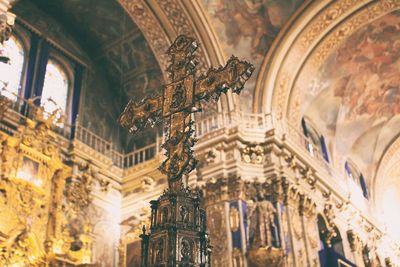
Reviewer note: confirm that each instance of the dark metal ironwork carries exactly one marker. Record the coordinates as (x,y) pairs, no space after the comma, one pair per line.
(178,231)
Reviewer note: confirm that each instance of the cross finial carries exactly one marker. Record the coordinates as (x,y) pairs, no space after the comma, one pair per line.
(178,101)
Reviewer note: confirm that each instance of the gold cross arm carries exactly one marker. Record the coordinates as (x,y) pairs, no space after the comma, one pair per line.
(216,81)
(137,115)
(232,76)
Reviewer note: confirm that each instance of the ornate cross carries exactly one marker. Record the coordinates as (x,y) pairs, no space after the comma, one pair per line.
(179,99)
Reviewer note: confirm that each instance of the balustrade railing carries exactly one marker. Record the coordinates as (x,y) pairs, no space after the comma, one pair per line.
(203,126)
(92,140)
(216,121)
(107,149)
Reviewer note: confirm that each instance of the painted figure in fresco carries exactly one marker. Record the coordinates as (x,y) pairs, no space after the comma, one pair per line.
(367,68)
(259,20)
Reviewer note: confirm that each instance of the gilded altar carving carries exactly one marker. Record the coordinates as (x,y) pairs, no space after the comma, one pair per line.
(35,228)
(8,157)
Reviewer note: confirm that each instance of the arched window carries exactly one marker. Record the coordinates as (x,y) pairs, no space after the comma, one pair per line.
(11,72)
(351,172)
(315,143)
(55,88)
(355,175)
(331,244)
(364,187)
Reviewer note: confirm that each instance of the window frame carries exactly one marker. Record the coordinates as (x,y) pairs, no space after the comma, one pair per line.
(66,66)
(21,37)
(313,140)
(355,175)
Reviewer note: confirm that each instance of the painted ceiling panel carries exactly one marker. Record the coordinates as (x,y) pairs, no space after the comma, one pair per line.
(358,103)
(247,29)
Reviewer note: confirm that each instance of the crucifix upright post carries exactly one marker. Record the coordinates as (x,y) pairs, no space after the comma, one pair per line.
(178,225)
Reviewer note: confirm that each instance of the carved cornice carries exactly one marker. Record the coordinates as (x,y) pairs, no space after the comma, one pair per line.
(222,189)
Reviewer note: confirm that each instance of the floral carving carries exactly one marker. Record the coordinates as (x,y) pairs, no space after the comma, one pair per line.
(78,190)
(253,154)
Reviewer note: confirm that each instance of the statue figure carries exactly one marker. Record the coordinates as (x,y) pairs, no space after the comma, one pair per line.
(264,249)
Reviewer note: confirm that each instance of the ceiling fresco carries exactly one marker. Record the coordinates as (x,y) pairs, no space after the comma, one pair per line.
(357,100)
(247,28)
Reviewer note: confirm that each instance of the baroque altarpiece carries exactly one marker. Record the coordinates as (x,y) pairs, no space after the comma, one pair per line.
(43,198)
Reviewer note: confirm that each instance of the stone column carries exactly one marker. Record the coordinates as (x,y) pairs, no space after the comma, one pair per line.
(307,210)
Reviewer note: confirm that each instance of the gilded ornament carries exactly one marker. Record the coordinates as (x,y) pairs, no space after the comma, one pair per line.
(253,154)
